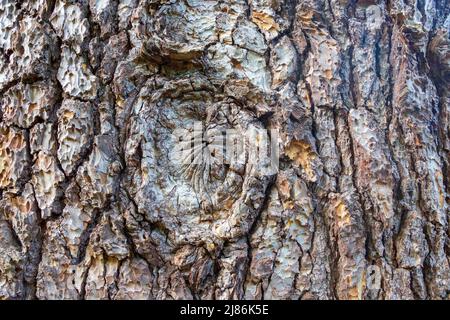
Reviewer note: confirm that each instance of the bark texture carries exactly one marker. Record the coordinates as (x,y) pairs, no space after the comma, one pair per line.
(91,207)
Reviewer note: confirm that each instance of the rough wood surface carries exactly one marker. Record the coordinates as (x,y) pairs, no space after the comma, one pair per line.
(92,207)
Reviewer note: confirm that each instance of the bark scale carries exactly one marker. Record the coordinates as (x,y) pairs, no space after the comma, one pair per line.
(92,207)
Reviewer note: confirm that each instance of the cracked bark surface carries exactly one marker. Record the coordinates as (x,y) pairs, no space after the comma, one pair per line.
(91,207)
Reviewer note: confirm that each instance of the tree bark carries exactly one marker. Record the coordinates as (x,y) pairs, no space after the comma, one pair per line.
(93,207)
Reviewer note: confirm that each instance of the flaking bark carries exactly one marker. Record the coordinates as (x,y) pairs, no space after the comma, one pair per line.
(92,207)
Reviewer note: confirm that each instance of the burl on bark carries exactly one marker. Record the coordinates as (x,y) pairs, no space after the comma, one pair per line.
(93,207)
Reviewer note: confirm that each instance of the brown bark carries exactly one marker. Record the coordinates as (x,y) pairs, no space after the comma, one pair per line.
(93,207)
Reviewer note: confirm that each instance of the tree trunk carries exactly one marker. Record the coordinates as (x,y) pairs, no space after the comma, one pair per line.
(93,205)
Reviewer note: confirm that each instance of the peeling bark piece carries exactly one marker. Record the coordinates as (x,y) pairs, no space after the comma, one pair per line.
(40,8)
(124,12)
(181,31)
(109,235)
(104,13)
(323,59)
(33,53)
(304,155)
(230,279)
(25,104)
(47,179)
(411,243)
(283,61)
(135,281)
(11,285)
(75,132)
(246,35)
(75,76)
(230,61)
(21,211)
(266,22)
(100,282)
(70,21)
(265,246)
(114,52)
(75,221)
(145,240)
(24,220)
(348,231)
(97,176)
(8,19)
(14,157)
(58,278)
(42,138)
(276,262)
